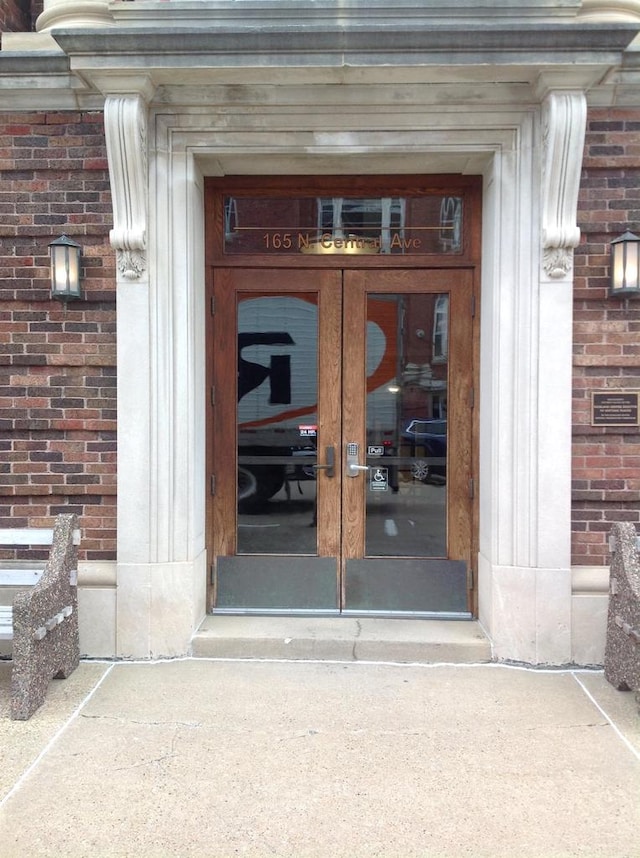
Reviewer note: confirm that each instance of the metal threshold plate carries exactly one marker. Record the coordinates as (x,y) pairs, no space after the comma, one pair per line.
(254,582)
(408,585)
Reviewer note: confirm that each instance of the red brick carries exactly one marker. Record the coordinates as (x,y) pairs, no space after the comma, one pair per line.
(56,173)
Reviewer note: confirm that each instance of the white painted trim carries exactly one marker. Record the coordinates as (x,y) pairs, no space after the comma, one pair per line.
(26,536)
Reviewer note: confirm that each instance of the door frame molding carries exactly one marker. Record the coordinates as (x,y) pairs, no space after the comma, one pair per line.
(524,559)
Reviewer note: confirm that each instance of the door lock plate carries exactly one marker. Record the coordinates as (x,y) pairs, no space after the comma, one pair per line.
(353,467)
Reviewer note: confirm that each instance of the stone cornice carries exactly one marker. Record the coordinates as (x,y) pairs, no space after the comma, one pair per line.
(328,51)
(406,44)
(19,63)
(431,53)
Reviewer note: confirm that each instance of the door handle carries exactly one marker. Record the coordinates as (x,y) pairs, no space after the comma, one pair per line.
(329,466)
(353,468)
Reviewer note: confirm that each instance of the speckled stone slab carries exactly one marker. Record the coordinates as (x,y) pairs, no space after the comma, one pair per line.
(622,651)
(45,625)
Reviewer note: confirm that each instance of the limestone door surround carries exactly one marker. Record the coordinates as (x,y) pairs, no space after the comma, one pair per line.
(530,161)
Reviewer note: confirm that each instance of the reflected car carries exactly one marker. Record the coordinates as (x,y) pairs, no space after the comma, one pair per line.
(428,446)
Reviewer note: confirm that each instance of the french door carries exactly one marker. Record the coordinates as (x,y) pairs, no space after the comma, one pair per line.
(341,438)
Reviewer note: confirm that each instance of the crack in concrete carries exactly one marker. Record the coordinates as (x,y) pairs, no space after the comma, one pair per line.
(355,640)
(190,724)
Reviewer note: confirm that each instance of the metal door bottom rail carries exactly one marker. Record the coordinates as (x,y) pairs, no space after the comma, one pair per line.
(319,613)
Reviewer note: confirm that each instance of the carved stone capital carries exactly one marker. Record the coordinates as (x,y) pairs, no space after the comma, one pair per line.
(125,120)
(564,116)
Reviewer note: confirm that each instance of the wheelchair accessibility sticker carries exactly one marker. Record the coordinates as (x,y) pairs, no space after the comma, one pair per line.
(378,479)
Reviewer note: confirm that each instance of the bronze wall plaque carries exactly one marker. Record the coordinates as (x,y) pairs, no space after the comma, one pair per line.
(615,408)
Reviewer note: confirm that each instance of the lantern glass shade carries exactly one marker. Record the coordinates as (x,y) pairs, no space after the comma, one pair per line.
(65,268)
(625,265)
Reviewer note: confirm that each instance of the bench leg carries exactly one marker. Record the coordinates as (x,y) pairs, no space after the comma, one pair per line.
(68,659)
(30,678)
(45,624)
(36,662)
(28,692)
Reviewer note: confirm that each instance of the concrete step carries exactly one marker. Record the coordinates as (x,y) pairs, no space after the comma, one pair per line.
(342,639)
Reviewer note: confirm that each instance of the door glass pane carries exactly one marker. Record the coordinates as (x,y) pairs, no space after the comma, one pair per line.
(277,423)
(406,423)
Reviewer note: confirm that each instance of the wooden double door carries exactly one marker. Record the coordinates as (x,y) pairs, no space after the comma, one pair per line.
(341,441)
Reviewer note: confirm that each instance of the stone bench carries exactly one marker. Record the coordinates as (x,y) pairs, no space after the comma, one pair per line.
(42,620)
(622,650)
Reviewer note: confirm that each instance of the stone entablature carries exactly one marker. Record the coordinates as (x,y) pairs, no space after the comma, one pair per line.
(150,13)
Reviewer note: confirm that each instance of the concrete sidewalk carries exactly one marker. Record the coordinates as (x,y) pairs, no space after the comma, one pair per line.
(226,758)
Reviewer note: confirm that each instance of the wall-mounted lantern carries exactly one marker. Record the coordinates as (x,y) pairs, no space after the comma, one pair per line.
(625,267)
(65,268)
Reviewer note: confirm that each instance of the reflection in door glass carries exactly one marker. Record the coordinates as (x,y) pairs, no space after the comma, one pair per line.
(277,423)
(406,423)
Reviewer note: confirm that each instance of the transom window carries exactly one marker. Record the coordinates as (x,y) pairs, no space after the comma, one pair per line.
(425,224)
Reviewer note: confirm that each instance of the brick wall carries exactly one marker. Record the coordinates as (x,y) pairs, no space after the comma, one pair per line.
(606,461)
(57,362)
